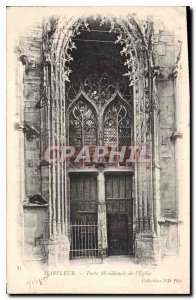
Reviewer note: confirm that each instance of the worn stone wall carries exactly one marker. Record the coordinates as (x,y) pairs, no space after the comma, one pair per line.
(31,52)
(35,218)
(167,159)
(35,226)
(167,50)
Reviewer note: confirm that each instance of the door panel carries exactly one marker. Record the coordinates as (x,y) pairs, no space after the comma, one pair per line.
(118,193)
(117,228)
(122,187)
(83,216)
(83,198)
(119,207)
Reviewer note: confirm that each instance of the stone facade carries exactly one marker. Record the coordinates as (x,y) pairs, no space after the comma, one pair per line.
(162,235)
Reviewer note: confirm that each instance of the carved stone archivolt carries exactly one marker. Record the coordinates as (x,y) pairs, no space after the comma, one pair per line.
(136,40)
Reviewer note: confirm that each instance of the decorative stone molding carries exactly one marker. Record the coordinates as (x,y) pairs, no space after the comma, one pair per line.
(35,200)
(137,49)
(44,163)
(176,135)
(177,66)
(30,131)
(18,126)
(23,58)
(165,220)
(158,72)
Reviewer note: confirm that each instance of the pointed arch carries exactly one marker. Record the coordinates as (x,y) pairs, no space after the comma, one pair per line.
(138,54)
(82,123)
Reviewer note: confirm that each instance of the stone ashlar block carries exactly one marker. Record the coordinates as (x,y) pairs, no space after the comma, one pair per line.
(160,49)
(147,247)
(35,222)
(169,238)
(166,38)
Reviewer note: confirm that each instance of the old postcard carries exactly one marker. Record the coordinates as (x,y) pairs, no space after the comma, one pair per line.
(98,150)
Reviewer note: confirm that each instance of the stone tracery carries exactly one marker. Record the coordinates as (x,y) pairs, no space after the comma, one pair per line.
(137,50)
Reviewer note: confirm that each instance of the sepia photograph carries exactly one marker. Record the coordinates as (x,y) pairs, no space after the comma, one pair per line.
(98,152)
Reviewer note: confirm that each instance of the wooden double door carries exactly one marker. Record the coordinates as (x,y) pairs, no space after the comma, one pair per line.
(84,208)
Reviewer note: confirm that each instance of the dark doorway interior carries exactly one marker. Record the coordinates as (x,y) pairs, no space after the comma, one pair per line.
(117,229)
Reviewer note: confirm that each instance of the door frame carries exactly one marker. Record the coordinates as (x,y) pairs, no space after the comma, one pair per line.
(101,198)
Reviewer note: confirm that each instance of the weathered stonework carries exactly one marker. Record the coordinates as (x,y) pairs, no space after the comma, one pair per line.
(155,112)
(35,229)
(148,249)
